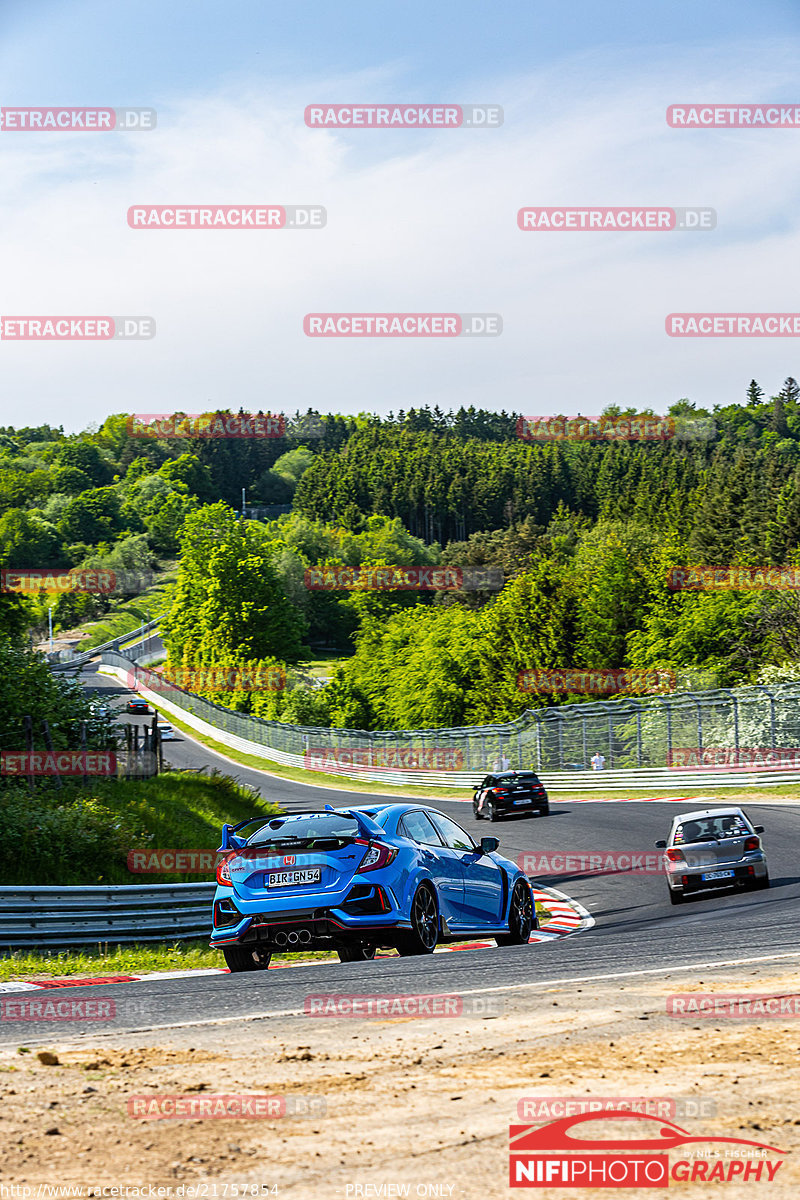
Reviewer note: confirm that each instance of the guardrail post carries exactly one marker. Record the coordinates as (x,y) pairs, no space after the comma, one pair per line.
(48,741)
(28,727)
(83,749)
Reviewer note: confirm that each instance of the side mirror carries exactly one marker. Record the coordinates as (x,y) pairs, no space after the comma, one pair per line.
(759,828)
(661,845)
(488,844)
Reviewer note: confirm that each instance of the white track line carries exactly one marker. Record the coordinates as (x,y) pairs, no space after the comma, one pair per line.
(268,1014)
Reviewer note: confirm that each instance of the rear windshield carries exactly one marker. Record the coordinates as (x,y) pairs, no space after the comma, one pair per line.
(520,777)
(711,829)
(314,827)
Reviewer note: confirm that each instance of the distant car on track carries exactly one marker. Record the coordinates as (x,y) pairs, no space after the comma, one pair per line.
(136,705)
(713,848)
(510,793)
(398,876)
(166,732)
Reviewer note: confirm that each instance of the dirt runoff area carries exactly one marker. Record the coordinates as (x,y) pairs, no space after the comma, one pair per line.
(420,1107)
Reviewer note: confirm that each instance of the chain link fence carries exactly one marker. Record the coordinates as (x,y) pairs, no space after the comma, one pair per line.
(680,730)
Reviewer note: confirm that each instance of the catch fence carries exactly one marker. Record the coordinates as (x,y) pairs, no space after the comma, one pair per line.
(728,729)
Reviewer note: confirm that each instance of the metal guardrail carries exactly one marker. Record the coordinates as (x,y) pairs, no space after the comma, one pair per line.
(80,659)
(49,917)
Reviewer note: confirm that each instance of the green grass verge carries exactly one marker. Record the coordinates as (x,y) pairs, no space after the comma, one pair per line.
(82,835)
(123,960)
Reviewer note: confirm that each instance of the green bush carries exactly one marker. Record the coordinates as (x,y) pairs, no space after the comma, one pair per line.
(82,835)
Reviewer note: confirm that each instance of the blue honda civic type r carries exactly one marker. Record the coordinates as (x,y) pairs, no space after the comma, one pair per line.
(354,880)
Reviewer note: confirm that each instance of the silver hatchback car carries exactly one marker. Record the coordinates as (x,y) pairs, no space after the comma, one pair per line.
(713,848)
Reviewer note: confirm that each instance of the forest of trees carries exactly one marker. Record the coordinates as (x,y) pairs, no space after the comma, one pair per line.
(585,533)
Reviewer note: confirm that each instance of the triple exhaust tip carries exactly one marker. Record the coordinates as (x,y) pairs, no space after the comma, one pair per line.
(300,937)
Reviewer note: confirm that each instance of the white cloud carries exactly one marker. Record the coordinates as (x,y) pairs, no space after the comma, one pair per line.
(415,222)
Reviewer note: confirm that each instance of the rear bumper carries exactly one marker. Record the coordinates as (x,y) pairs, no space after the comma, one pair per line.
(236,921)
(534,803)
(691,881)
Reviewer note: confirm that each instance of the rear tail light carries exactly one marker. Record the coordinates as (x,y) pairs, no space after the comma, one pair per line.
(752,843)
(224,871)
(377,856)
(498,792)
(675,855)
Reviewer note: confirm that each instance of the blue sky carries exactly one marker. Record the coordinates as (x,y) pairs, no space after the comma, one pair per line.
(416,220)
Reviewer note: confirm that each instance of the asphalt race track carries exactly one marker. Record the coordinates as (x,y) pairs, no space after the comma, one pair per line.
(637,931)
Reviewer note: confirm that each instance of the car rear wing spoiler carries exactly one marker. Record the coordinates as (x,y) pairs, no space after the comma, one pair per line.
(367,828)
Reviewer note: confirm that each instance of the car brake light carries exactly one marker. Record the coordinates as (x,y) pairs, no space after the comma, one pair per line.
(224,871)
(498,791)
(675,855)
(377,856)
(752,843)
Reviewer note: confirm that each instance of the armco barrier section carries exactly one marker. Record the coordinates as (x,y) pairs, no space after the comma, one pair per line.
(48,917)
(86,656)
(262,739)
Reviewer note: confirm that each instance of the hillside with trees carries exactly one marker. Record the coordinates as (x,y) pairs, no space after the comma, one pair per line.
(584,533)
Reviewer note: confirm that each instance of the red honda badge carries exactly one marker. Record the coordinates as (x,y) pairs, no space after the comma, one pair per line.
(288,860)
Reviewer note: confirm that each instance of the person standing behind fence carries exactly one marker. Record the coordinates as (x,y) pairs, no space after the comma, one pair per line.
(598,761)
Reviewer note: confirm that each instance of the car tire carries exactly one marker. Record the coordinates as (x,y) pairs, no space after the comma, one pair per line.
(545,812)
(494,814)
(675,897)
(246,958)
(761,883)
(424,932)
(521,911)
(476,812)
(357,952)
